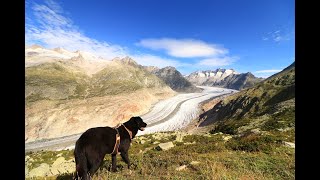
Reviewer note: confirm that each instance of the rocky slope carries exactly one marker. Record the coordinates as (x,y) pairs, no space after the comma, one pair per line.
(173,78)
(227,78)
(69,92)
(268,106)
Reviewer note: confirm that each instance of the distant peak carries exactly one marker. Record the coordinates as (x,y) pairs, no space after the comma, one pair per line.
(126,60)
(151,68)
(36,46)
(249,74)
(170,68)
(60,49)
(78,58)
(116,59)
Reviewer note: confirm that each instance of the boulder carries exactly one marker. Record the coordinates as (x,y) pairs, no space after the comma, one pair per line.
(165,146)
(219,133)
(289,144)
(156,142)
(61,166)
(180,168)
(285,129)
(256,131)
(141,138)
(194,162)
(27,158)
(187,143)
(226,138)
(59,161)
(41,171)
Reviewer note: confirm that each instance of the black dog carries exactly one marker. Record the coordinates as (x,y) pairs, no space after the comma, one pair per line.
(95,143)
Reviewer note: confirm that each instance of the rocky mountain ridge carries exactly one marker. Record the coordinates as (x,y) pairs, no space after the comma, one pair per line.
(227,78)
(173,78)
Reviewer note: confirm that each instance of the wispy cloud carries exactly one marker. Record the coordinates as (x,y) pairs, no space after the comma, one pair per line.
(268,71)
(183,48)
(54,29)
(152,60)
(214,55)
(216,62)
(51,27)
(279,35)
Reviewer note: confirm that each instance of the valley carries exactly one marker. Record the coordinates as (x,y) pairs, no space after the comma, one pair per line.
(213,84)
(167,115)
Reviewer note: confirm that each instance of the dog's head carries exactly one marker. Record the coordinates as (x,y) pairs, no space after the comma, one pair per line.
(139,122)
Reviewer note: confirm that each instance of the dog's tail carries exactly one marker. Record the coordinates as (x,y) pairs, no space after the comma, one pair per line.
(81,164)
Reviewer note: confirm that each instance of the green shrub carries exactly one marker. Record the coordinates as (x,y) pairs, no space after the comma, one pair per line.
(253,143)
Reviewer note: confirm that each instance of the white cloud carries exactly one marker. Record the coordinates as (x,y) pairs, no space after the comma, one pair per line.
(216,62)
(215,55)
(56,30)
(268,71)
(183,48)
(263,76)
(151,60)
(52,28)
(279,35)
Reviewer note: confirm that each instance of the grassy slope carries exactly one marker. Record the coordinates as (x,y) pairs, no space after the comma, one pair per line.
(57,81)
(54,81)
(269,106)
(254,157)
(122,79)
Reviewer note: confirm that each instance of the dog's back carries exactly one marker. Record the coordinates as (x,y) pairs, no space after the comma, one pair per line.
(91,147)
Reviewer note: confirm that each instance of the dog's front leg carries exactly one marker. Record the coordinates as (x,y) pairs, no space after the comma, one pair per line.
(125,158)
(114,162)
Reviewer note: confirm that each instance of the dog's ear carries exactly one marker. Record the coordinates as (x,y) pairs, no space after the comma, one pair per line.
(133,118)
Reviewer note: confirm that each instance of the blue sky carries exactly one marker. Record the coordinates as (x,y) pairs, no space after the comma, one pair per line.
(247,35)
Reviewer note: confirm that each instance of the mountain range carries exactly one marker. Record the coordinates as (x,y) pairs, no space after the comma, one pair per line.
(226,78)
(67,92)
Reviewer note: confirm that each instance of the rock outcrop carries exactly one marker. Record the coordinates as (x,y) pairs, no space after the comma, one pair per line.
(165,146)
